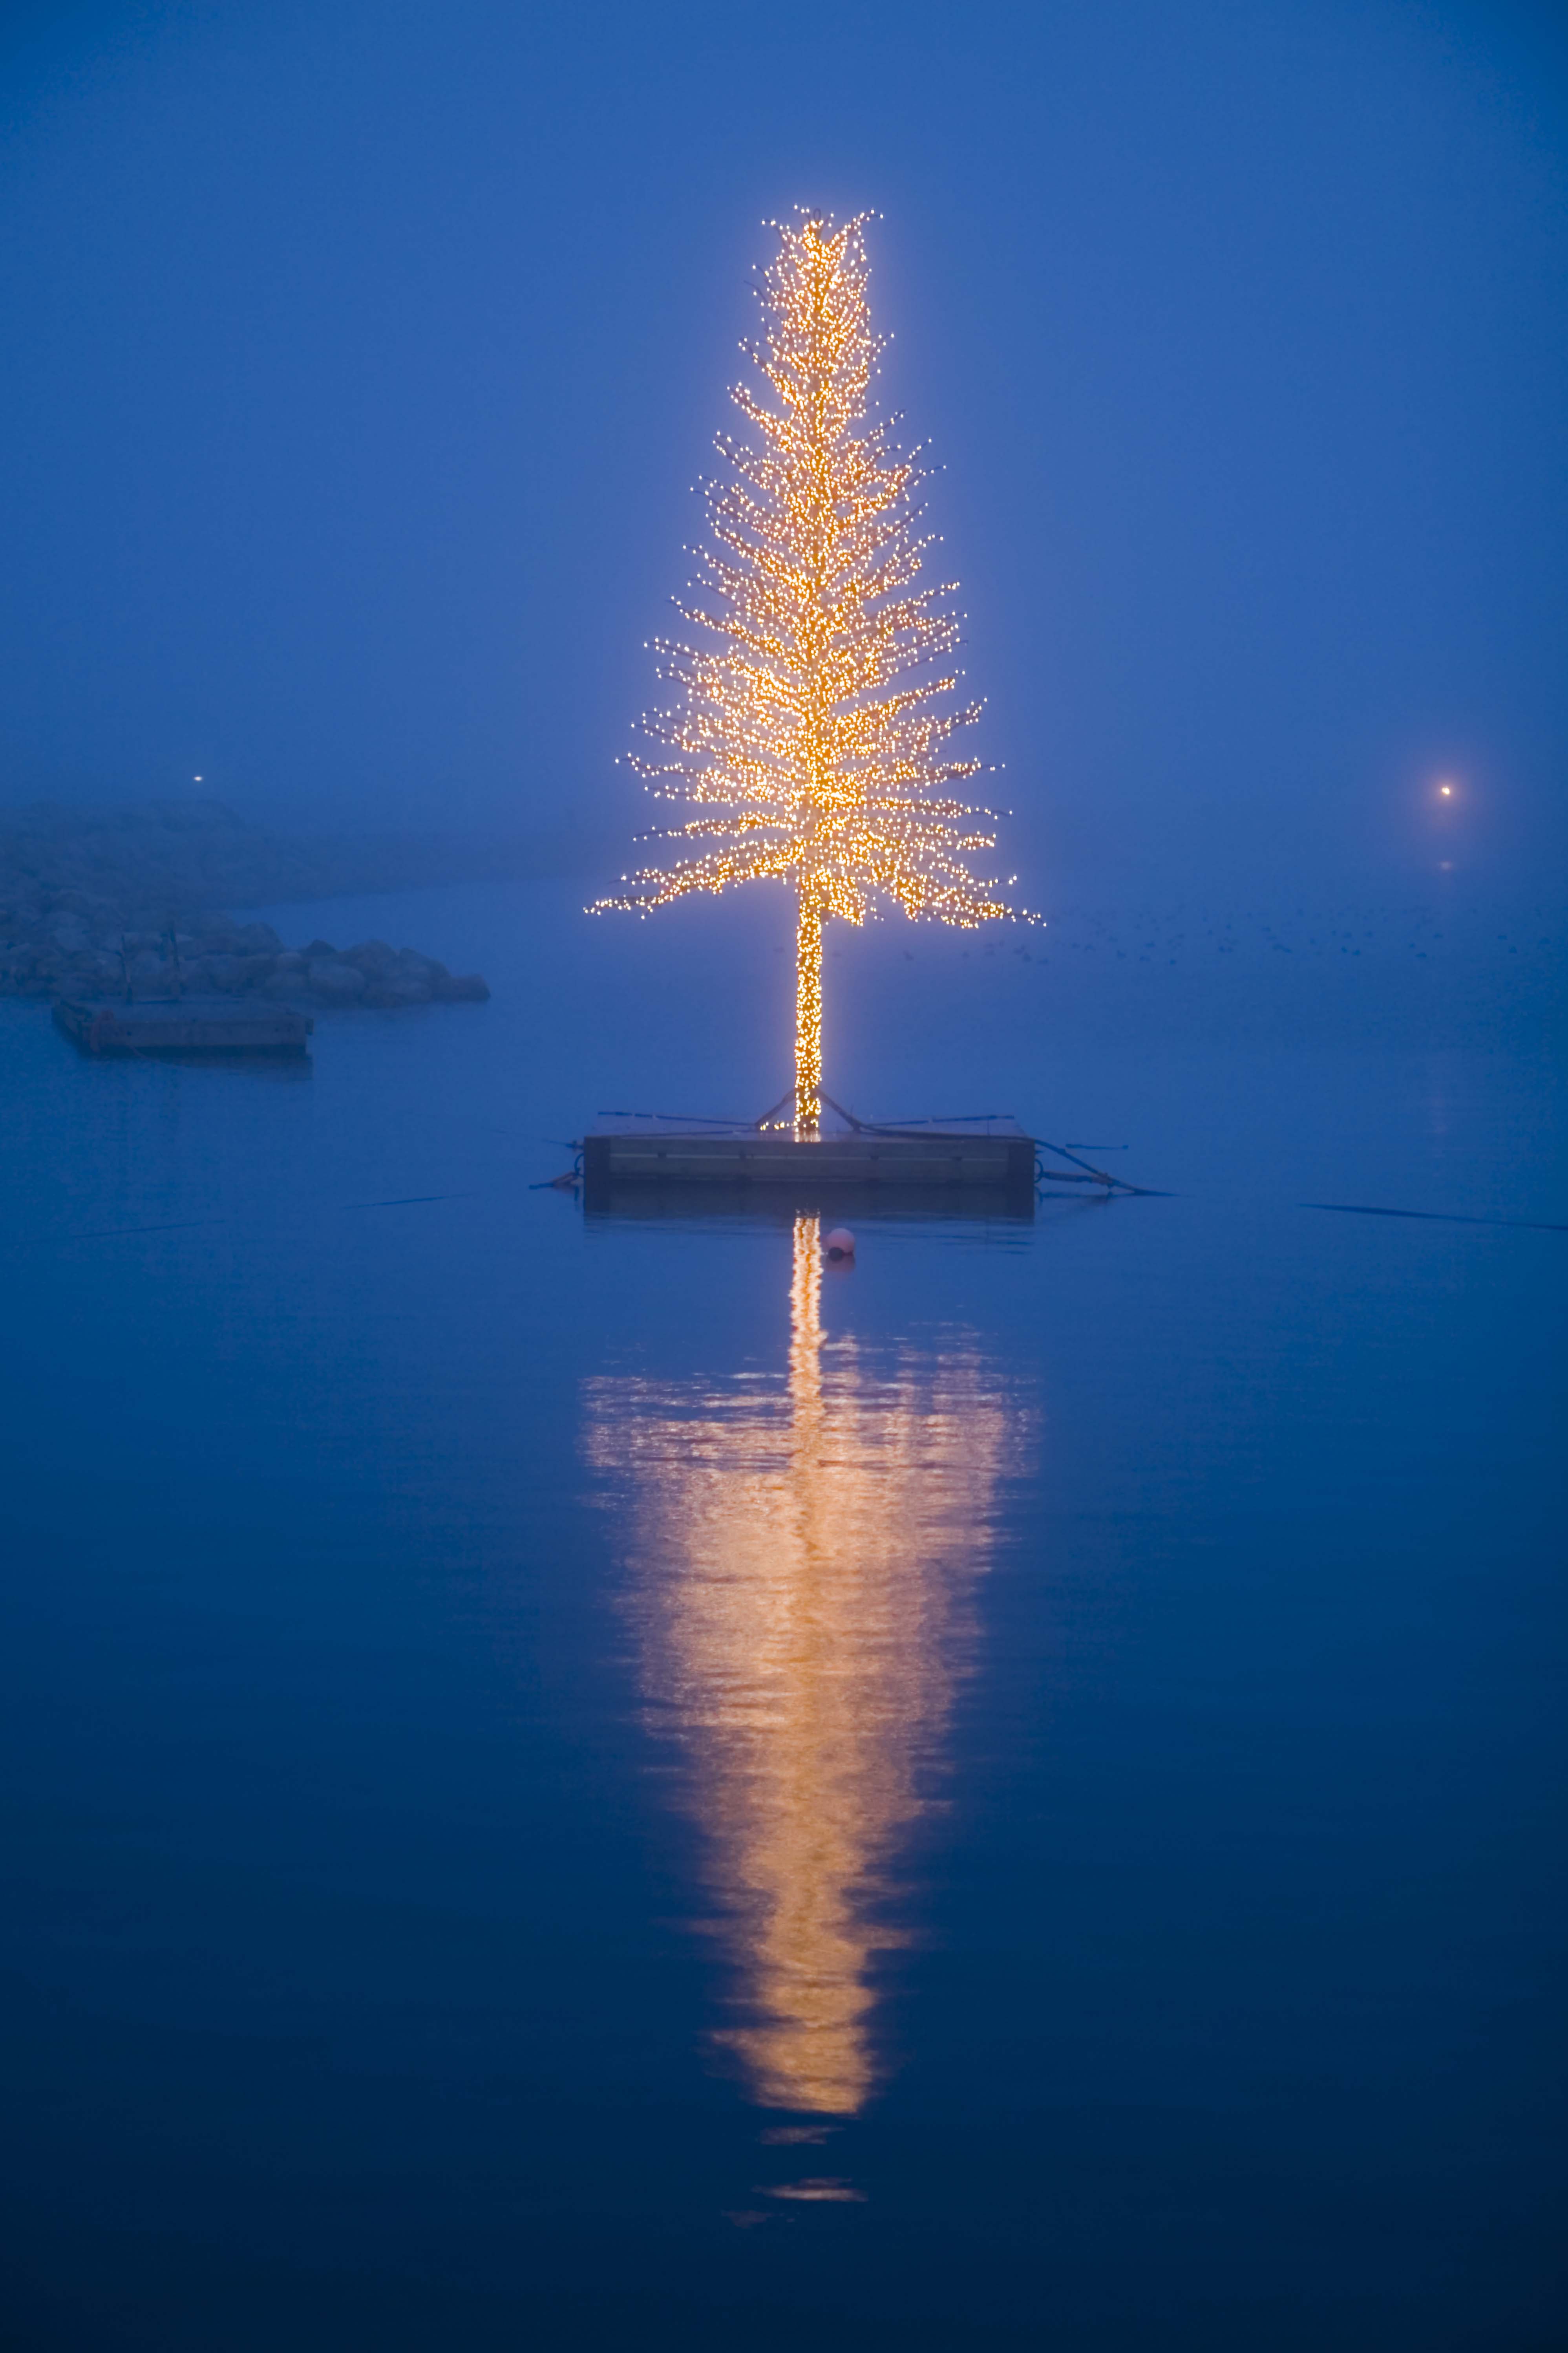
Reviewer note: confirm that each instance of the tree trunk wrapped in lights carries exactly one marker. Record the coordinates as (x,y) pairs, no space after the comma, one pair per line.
(815,738)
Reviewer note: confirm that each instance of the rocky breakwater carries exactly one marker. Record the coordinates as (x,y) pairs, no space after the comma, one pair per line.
(371,974)
(62,958)
(95,905)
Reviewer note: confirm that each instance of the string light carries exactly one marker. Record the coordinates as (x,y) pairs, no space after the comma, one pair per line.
(815,738)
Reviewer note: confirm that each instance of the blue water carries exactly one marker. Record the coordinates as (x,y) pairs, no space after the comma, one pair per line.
(584,1780)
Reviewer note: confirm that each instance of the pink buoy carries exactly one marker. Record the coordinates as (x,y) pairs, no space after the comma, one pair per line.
(840,1243)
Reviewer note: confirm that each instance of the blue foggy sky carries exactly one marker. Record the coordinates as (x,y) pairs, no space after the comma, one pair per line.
(358,360)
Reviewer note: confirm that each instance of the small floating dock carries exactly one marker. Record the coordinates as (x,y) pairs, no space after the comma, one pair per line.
(183,1025)
(991,1155)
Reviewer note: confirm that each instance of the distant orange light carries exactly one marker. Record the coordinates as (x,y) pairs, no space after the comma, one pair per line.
(1446,791)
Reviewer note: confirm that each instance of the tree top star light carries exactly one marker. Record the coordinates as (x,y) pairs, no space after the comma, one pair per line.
(815,737)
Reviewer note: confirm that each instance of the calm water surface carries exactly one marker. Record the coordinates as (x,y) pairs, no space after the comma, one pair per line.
(592,1780)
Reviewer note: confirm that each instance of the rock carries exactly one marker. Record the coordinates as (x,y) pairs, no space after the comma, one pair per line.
(462,988)
(317,949)
(255,939)
(373,957)
(237,972)
(399,989)
(335,982)
(289,986)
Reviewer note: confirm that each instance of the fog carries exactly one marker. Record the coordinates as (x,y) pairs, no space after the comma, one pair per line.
(585,1764)
(360,361)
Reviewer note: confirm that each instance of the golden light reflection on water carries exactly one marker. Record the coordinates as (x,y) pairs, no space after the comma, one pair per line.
(803,1557)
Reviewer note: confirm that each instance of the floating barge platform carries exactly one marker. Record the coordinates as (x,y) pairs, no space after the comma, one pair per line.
(991,1155)
(182,1025)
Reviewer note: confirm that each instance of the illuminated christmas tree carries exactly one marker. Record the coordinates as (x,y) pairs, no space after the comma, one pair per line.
(814,736)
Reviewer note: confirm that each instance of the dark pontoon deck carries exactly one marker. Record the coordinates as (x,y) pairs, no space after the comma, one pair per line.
(183,1025)
(992,1156)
